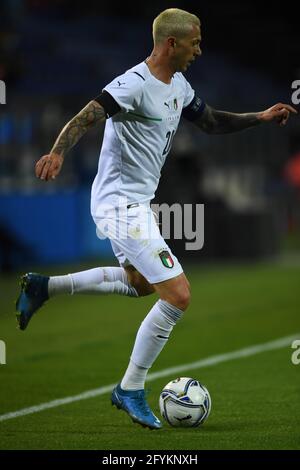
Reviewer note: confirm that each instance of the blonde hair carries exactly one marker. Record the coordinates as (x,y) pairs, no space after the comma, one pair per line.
(173,22)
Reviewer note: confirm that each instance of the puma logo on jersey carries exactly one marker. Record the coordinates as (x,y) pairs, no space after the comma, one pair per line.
(119,83)
(172,105)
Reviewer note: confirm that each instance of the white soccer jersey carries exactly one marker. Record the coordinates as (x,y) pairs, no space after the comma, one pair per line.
(138,139)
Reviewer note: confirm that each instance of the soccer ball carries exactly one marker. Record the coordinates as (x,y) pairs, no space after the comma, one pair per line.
(185,402)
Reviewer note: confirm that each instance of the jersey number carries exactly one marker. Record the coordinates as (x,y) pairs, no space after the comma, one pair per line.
(169,137)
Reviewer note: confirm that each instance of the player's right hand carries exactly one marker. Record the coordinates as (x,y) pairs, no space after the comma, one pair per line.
(49,166)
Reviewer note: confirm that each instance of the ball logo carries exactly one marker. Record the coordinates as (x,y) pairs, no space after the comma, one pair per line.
(2,352)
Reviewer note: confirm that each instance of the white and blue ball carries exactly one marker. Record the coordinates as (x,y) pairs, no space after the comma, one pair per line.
(185,402)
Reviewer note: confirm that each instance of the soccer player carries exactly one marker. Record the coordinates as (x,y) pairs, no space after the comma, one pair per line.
(141,110)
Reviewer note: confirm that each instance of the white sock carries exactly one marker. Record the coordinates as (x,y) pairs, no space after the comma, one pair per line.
(60,285)
(151,337)
(108,280)
(134,378)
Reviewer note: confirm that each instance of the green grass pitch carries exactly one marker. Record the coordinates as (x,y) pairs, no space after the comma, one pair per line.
(79,343)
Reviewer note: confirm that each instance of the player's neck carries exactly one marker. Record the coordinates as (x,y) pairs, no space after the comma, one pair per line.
(159,67)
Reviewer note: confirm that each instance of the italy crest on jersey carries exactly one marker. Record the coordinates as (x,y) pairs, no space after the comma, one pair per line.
(166,259)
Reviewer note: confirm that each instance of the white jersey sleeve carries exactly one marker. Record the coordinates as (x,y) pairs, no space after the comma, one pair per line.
(126,90)
(189,93)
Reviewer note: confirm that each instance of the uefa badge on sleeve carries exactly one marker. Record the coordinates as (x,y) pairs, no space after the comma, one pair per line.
(166,259)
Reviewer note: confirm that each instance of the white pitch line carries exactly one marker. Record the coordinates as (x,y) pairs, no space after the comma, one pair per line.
(209,361)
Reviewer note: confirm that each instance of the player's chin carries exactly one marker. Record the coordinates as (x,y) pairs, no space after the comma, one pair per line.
(184,67)
(188,64)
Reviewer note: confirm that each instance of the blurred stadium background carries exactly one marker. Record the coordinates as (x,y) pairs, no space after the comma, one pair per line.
(55,55)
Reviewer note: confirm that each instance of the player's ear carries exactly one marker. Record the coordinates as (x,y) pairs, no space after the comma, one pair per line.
(171,41)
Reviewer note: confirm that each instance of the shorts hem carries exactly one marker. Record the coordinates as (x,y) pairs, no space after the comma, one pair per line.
(165,277)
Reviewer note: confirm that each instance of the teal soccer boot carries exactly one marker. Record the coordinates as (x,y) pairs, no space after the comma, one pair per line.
(34,293)
(135,404)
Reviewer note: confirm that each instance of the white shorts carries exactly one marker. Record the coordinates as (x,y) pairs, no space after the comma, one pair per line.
(136,240)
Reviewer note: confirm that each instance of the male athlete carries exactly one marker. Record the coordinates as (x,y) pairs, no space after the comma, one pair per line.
(142,109)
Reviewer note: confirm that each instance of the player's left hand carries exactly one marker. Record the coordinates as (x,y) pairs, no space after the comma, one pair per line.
(280,112)
(49,166)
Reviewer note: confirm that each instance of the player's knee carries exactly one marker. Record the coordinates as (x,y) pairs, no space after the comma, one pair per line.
(183,299)
(180,298)
(183,295)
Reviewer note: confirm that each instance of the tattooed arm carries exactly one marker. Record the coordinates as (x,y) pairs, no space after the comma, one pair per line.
(213,121)
(88,117)
(49,166)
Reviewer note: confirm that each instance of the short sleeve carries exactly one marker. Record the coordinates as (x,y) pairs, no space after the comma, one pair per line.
(189,93)
(193,105)
(126,91)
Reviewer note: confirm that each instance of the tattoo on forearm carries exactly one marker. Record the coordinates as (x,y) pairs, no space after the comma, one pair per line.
(77,127)
(213,121)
